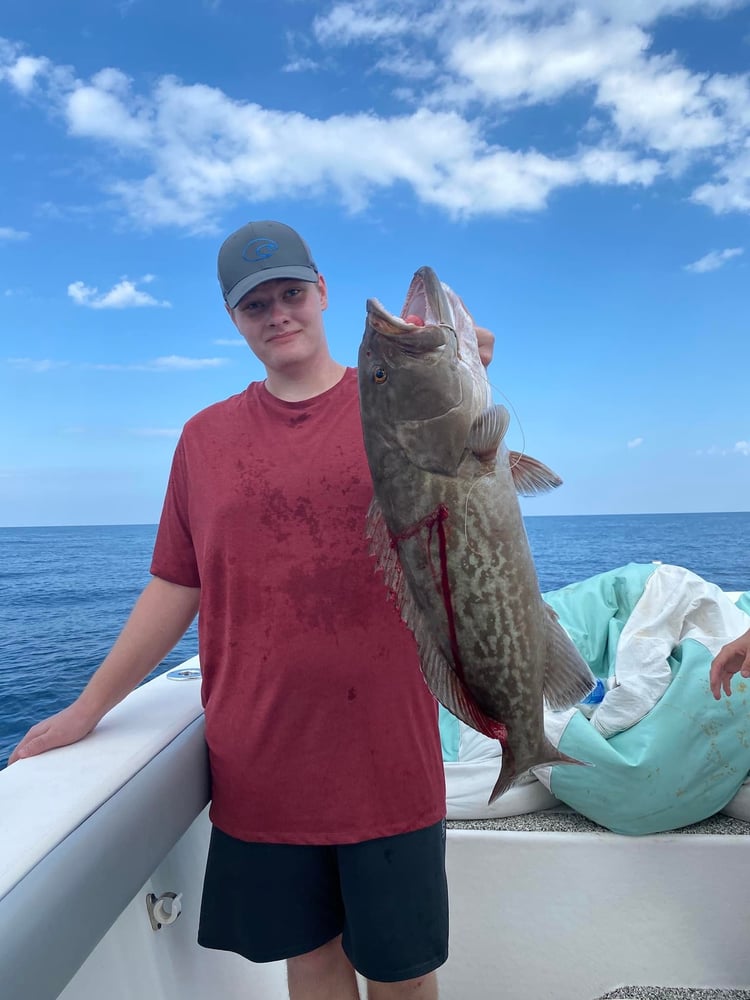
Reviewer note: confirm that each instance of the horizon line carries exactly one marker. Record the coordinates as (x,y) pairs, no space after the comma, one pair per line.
(155,524)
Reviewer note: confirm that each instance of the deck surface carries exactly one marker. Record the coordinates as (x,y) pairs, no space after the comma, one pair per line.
(564,820)
(672,993)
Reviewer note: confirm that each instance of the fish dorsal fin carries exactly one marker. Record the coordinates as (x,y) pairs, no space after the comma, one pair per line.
(567,679)
(441,677)
(487,431)
(531,476)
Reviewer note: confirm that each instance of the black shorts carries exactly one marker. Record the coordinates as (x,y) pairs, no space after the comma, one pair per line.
(387,897)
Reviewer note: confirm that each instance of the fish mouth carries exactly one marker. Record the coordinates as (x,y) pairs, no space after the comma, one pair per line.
(426,305)
(427,301)
(387,323)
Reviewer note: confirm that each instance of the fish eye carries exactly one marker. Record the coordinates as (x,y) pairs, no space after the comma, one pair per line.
(379,376)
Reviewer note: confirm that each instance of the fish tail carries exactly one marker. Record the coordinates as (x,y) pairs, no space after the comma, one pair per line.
(547,755)
(503,783)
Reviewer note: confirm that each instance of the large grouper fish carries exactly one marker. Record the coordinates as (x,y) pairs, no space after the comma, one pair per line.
(446,529)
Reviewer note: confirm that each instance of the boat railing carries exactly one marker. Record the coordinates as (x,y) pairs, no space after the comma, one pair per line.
(114,803)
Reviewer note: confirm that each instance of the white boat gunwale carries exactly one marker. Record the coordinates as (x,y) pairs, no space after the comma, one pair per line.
(55,916)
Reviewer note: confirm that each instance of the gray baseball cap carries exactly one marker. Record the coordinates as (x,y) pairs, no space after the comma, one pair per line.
(261,251)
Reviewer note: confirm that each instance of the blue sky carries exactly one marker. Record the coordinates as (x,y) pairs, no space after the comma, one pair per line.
(578,172)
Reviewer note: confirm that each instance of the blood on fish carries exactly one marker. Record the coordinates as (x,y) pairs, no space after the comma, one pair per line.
(436,519)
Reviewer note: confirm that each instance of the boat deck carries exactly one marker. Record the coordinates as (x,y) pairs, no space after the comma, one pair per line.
(675,993)
(561,819)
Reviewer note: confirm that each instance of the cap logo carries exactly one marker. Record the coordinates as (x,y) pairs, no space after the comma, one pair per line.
(259,249)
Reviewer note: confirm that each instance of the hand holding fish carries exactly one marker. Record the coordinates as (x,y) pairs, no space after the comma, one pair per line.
(486,344)
(732,658)
(485,337)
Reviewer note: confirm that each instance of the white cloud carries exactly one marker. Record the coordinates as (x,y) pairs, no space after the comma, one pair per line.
(398,63)
(10,234)
(635,442)
(353,20)
(356,22)
(527,64)
(124,295)
(740,448)
(730,192)
(301,65)
(466,64)
(175,362)
(713,260)
(36,365)
(107,109)
(264,154)
(22,72)
(172,362)
(146,432)
(159,432)
(529,52)
(27,74)
(664,106)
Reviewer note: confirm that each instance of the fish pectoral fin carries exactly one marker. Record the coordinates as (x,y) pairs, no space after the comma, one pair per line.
(567,678)
(530,476)
(487,432)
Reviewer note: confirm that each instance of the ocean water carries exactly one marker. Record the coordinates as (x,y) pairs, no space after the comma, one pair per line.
(66,592)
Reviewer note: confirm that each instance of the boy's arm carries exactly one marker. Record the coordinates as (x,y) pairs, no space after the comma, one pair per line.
(160,618)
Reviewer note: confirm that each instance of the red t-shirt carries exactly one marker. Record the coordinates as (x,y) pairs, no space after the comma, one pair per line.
(320,727)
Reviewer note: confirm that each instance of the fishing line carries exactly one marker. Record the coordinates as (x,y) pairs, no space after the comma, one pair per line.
(491,472)
(514,411)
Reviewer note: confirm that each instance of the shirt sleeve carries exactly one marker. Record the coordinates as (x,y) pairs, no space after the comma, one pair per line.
(174,556)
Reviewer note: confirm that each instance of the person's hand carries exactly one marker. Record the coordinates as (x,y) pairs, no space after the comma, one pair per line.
(486,344)
(67,726)
(730,659)
(485,339)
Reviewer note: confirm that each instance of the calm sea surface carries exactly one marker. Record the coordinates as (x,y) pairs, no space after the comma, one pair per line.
(65,592)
